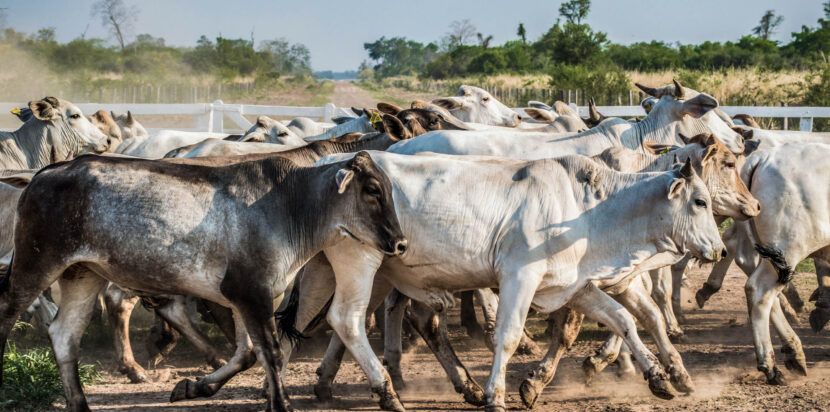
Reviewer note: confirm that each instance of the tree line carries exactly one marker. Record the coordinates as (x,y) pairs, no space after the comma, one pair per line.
(578,56)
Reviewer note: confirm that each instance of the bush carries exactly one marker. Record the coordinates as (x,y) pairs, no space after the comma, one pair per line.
(593,80)
(31,379)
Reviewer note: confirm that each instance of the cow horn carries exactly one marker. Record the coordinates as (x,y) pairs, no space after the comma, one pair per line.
(678,90)
(593,114)
(648,90)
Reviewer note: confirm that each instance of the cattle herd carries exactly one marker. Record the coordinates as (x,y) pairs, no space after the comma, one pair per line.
(409,209)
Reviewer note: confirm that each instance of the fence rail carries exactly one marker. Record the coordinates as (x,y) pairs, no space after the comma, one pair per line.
(211,116)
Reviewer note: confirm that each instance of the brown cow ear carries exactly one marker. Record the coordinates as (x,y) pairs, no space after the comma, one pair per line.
(703,139)
(395,128)
(389,108)
(418,104)
(657,148)
(747,134)
(45,109)
(261,121)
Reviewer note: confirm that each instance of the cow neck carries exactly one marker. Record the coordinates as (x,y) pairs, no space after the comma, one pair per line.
(358,124)
(667,161)
(32,145)
(623,214)
(309,207)
(381,142)
(662,127)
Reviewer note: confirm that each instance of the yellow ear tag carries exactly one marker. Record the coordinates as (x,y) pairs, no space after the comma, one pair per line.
(664,151)
(15,111)
(375,119)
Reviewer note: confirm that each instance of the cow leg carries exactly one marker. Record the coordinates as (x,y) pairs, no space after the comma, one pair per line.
(328,368)
(604,356)
(468,316)
(714,281)
(565,325)
(242,359)
(677,271)
(637,300)
(354,268)
(395,306)
(175,312)
(119,309)
(489,306)
(662,292)
(161,341)
(599,306)
(79,294)
(624,364)
(821,314)
(516,294)
(795,301)
(222,316)
(761,290)
(433,328)
(791,344)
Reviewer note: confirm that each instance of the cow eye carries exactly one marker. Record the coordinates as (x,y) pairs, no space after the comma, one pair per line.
(730,165)
(373,190)
(485,100)
(433,122)
(281,134)
(700,203)
(75,116)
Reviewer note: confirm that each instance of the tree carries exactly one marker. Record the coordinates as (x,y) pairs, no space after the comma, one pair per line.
(484,42)
(117,17)
(46,35)
(769,21)
(522,33)
(462,33)
(575,11)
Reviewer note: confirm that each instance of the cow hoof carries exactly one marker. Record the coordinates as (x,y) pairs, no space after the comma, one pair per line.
(677,336)
(398,383)
(819,318)
(659,384)
(389,400)
(590,368)
(494,408)
(474,395)
(155,360)
(136,375)
(528,393)
(703,294)
(217,363)
(776,377)
(681,381)
(794,362)
(323,393)
(527,347)
(183,390)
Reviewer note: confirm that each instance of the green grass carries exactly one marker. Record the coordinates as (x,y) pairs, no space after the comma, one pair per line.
(321,92)
(378,92)
(31,380)
(806,265)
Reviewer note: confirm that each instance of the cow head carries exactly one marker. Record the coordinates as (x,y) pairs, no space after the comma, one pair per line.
(693,225)
(420,121)
(366,204)
(718,168)
(130,127)
(268,130)
(561,116)
(105,123)
(73,133)
(473,104)
(689,112)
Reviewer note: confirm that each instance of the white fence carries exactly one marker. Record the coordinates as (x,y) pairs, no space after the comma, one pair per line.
(211,116)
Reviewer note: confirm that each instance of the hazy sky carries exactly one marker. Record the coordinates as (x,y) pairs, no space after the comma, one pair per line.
(335,31)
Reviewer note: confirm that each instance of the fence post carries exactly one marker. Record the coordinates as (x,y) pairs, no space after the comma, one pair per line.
(786,120)
(805,124)
(217,117)
(328,112)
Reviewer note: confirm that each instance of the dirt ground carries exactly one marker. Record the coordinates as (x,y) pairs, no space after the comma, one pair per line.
(718,354)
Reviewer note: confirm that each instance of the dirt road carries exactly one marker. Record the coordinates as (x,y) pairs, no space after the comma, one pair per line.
(718,354)
(347,94)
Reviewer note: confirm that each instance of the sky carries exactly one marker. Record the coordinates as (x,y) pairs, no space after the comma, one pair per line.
(334,31)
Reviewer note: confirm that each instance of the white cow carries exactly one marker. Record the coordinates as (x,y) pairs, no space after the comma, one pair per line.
(156,145)
(670,117)
(57,130)
(476,105)
(219,147)
(536,230)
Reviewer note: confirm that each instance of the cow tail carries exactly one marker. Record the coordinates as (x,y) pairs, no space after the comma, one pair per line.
(776,257)
(287,318)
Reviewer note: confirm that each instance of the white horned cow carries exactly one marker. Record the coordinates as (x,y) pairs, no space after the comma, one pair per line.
(57,130)
(476,105)
(678,111)
(536,231)
(172,236)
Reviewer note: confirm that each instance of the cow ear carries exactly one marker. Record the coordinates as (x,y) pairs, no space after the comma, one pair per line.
(539,114)
(45,109)
(418,104)
(698,105)
(751,146)
(20,180)
(341,119)
(261,121)
(449,103)
(676,187)
(657,148)
(253,137)
(747,134)
(389,108)
(395,128)
(358,112)
(703,139)
(343,177)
